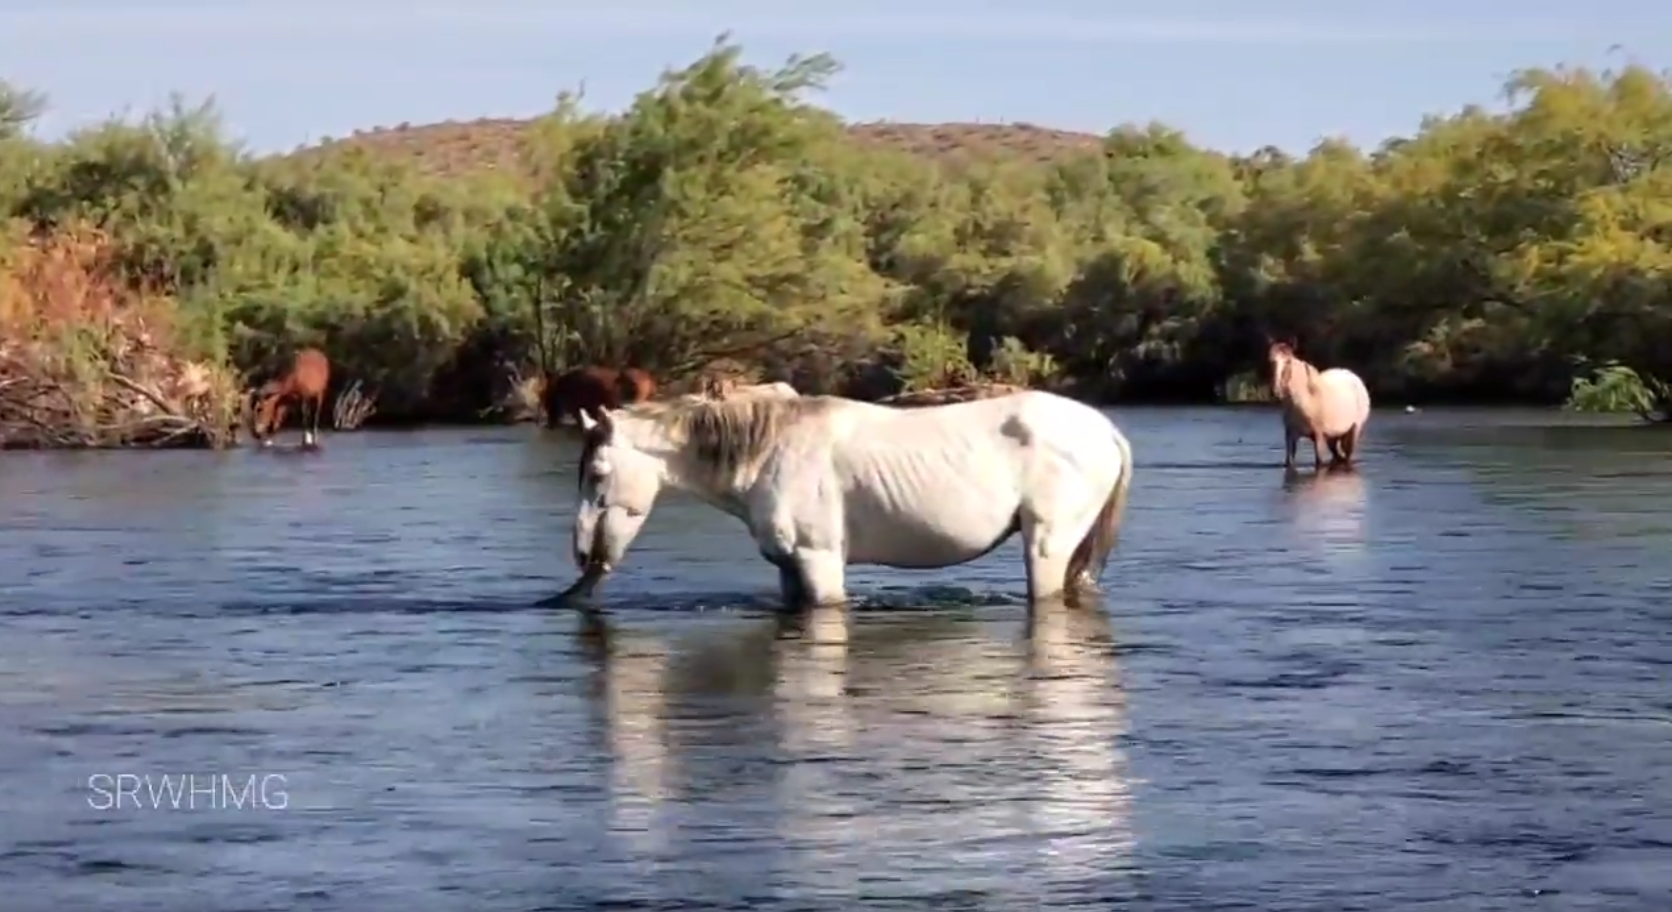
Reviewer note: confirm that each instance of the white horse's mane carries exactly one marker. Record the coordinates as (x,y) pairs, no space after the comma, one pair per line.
(726,441)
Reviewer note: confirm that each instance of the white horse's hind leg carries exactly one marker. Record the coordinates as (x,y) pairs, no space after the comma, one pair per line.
(1053,526)
(823,576)
(1046,552)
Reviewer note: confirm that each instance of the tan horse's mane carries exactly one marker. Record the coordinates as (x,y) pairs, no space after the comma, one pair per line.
(1298,370)
(724,440)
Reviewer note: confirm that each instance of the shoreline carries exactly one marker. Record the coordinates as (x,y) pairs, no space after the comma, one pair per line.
(1578,418)
(1562,417)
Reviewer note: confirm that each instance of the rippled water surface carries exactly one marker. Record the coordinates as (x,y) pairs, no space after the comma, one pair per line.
(1444,682)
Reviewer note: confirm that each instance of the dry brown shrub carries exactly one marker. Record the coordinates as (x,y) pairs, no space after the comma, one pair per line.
(522,400)
(86,361)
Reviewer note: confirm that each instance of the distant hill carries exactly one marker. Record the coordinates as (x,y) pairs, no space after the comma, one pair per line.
(452,148)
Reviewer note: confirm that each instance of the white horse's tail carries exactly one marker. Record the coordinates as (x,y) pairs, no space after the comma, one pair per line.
(1093,551)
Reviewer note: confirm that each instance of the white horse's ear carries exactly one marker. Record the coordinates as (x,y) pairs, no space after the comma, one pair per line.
(587,423)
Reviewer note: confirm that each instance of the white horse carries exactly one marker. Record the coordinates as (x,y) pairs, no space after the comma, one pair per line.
(1331,407)
(823,482)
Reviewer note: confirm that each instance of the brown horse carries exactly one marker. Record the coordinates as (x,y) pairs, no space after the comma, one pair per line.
(1329,407)
(310,375)
(592,389)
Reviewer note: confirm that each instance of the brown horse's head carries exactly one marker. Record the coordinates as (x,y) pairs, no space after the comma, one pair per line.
(581,389)
(264,410)
(633,386)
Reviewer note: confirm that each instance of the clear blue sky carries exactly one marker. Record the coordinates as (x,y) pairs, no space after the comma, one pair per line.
(1234,75)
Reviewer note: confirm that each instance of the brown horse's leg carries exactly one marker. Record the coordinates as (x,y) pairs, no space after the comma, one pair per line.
(313,406)
(277,426)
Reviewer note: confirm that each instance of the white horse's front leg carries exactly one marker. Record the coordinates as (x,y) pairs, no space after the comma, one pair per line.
(790,586)
(823,577)
(778,547)
(798,526)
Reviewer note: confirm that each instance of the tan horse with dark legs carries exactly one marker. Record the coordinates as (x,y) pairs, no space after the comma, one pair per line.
(309,377)
(1328,407)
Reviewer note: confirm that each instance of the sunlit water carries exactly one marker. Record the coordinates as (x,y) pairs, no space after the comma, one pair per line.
(1442,683)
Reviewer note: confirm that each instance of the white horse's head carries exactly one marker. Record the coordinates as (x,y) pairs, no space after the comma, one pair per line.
(714,449)
(618,486)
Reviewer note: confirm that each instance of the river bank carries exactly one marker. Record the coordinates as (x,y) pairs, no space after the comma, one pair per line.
(358,408)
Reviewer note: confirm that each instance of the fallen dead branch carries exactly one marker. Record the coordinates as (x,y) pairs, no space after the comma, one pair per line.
(352,408)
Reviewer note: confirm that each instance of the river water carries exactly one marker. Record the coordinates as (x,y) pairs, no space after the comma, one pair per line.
(276,680)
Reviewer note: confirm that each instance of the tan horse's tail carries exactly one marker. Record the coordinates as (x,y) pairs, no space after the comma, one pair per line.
(1093,550)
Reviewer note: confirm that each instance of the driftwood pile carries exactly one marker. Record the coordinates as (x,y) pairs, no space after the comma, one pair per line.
(126,395)
(84,364)
(922,398)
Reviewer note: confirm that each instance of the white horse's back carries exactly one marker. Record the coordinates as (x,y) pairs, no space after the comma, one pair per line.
(943,485)
(1343,402)
(777,389)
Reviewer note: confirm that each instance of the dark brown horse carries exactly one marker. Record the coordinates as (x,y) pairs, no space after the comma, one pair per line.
(306,383)
(592,389)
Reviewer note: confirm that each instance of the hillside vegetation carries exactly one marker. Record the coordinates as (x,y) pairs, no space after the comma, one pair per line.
(456,149)
(1491,256)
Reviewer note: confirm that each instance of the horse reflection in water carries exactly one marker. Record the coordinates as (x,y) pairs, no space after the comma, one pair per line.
(818,733)
(914,754)
(631,677)
(1078,709)
(1329,510)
